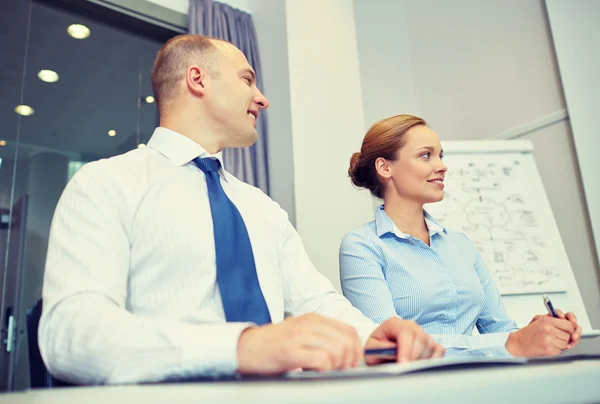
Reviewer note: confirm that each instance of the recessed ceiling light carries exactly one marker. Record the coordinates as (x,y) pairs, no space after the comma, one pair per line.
(141,145)
(49,76)
(112,133)
(78,31)
(24,110)
(2,142)
(149,99)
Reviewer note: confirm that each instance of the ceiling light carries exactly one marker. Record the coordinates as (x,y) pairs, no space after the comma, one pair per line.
(141,145)
(112,133)
(49,76)
(78,31)
(2,142)
(24,110)
(149,99)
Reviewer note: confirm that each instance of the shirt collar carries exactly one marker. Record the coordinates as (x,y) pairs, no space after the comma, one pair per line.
(179,149)
(433,226)
(384,225)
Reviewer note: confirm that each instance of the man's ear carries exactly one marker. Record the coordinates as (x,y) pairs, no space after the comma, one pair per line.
(382,167)
(195,78)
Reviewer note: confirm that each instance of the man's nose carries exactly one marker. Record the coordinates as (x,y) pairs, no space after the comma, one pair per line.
(261,100)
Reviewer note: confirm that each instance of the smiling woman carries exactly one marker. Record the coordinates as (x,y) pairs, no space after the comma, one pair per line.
(406,264)
(56,110)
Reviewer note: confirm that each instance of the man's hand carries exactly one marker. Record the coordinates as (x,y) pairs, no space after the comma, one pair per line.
(310,342)
(410,339)
(545,336)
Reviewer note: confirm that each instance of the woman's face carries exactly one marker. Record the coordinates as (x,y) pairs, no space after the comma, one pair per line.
(418,173)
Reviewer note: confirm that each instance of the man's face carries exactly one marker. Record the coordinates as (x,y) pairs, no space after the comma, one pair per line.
(232,99)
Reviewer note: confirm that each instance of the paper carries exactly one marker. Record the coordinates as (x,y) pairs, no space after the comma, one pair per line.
(393,369)
(590,334)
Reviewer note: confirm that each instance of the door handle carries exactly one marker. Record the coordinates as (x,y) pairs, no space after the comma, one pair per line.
(10,330)
(10,336)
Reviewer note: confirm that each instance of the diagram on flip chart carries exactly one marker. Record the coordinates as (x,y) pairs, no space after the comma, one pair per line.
(492,200)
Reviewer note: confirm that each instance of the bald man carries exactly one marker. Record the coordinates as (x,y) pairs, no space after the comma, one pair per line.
(163,265)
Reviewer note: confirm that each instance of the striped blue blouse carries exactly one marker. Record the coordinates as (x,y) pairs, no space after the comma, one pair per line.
(446,287)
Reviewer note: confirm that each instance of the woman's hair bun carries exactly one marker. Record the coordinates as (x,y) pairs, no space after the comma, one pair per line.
(353,169)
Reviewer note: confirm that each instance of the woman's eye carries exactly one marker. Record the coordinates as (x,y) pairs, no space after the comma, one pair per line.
(426,155)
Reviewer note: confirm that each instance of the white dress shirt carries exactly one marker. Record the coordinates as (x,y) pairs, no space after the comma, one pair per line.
(130,290)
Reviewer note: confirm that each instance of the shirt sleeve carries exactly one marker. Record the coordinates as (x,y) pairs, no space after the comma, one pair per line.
(362,278)
(306,290)
(482,345)
(86,334)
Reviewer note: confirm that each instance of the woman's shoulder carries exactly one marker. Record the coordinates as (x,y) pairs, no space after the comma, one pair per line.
(364,234)
(362,243)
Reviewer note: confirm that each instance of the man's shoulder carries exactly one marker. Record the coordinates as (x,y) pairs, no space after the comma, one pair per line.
(122,166)
(118,176)
(250,190)
(258,199)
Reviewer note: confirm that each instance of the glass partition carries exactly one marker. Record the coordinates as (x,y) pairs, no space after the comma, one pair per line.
(75,88)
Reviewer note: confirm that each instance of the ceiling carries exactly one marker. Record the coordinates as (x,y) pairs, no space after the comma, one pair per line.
(101,78)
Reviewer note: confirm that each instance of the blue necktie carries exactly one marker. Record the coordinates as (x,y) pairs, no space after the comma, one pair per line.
(236,272)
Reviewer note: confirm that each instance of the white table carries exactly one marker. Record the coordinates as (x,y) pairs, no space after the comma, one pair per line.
(558,382)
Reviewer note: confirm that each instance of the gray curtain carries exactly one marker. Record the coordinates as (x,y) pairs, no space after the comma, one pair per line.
(207,17)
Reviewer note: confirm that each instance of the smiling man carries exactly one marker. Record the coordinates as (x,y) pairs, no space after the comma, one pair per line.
(163,265)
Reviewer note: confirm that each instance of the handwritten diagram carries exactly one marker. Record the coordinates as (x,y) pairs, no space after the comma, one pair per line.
(488,200)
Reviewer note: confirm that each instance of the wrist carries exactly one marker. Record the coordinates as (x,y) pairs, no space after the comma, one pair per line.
(242,348)
(513,344)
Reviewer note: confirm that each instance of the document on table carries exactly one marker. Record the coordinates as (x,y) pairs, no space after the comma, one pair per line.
(394,369)
(590,334)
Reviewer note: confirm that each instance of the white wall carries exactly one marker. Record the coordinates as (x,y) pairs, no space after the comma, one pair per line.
(181,6)
(472,68)
(386,69)
(575,28)
(327,122)
(475,69)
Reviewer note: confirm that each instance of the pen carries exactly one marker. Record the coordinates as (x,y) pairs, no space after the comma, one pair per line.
(381,351)
(549,306)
